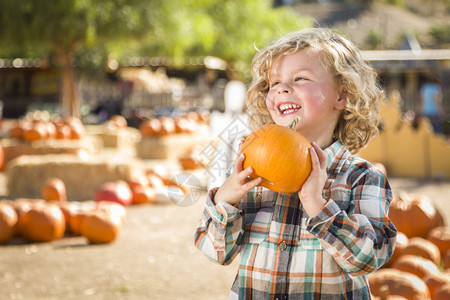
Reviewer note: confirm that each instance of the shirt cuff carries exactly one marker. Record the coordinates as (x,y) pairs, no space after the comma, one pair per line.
(319,224)
(221,212)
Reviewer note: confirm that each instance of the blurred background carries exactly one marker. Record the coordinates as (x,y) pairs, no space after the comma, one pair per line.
(138,58)
(140,103)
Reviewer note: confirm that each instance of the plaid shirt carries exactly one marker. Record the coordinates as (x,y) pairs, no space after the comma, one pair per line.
(286,254)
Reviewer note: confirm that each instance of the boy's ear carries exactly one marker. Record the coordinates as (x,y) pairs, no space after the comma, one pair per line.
(340,102)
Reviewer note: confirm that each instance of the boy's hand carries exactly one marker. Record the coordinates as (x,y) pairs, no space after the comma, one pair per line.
(238,184)
(311,192)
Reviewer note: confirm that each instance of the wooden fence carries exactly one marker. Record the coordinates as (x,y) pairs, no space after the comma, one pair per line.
(406,151)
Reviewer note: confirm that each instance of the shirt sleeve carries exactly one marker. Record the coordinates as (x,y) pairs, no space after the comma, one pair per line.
(361,238)
(219,230)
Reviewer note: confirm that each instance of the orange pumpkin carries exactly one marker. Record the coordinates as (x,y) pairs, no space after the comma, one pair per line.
(118,121)
(167,126)
(398,283)
(435,281)
(280,156)
(150,127)
(443,293)
(414,216)
(38,131)
(416,265)
(447,260)
(440,236)
(42,223)
(402,242)
(143,194)
(54,189)
(188,161)
(101,227)
(2,158)
(77,214)
(63,132)
(8,221)
(115,191)
(424,248)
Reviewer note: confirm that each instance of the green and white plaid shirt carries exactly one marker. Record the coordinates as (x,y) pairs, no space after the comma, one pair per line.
(286,254)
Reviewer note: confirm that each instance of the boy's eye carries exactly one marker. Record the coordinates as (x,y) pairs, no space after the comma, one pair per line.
(299,78)
(274,83)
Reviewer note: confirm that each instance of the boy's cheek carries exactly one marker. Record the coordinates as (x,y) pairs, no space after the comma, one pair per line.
(269,101)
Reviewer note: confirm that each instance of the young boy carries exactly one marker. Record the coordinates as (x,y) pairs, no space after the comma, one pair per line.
(321,242)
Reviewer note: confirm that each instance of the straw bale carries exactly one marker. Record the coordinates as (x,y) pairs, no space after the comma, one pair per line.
(115,137)
(14,148)
(27,174)
(173,146)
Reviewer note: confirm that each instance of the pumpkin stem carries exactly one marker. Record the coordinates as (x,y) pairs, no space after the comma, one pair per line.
(294,123)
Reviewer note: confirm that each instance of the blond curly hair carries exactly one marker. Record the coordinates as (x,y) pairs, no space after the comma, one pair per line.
(359,120)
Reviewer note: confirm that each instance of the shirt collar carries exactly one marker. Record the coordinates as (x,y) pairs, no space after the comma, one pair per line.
(337,154)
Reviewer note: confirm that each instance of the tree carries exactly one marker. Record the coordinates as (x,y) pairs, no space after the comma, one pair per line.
(227,29)
(65,26)
(175,29)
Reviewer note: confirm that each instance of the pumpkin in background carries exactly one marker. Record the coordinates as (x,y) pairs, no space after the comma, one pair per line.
(115,191)
(189,161)
(414,216)
(8,221)
(150,127)
(280,156)
(143,194)
(111,208)
(63,132)
(38,131)
(402,242)
(101,227)
(2,158)
(54,189)
(440,236)
(447,260)
(118,121)
(424,248)
(167,126)
(435,281)
(416,265)
(443,293)
(398,283)
(42,223)
(19,128)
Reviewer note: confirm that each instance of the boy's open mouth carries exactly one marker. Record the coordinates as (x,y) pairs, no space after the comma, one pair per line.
(288,108)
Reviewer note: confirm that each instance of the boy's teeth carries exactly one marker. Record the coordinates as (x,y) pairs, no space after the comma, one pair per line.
(288,108)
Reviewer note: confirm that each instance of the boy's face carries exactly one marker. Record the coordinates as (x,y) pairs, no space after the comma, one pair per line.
(301,86)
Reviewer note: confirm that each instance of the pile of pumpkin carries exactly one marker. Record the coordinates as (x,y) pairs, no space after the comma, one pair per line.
(420,265)
(100,221)
(166,125)
(37,128)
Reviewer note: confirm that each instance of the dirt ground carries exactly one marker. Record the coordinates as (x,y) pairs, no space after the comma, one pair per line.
(153,258)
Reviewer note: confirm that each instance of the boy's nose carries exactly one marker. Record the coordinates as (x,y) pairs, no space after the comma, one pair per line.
(284,88)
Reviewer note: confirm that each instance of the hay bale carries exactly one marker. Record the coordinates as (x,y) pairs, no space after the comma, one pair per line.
(173,146)
(27,174)
(14,147)
(120,138)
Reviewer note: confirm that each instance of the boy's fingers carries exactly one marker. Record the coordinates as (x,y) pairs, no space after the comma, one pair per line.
(238,163)
(243,176)
(252,183)
(322,158)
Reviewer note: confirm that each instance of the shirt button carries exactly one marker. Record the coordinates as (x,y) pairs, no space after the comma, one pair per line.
(282,246)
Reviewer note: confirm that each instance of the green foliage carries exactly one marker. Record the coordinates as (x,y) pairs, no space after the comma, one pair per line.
(373,40)
(67,25)
(175,29)
(440,33)
(227,29)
